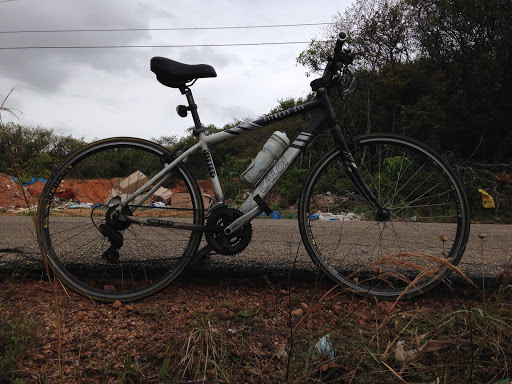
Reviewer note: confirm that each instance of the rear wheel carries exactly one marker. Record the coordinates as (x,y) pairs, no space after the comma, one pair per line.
(401,251)
(99,255)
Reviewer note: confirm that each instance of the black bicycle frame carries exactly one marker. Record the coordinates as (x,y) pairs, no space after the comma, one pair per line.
(254,204)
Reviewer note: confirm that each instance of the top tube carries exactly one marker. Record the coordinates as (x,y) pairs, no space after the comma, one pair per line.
(263,122)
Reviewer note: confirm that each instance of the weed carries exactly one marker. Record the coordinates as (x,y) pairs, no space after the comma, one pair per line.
(132,369)
(247,313)
(18,339)
(165,369)
(202,353)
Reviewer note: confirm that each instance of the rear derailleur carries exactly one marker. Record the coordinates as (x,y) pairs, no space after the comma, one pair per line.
(111,229)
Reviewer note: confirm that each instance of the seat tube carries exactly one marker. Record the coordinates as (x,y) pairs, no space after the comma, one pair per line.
(210,166)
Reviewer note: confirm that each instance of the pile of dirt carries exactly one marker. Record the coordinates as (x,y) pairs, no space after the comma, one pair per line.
(12,200)
(11,194)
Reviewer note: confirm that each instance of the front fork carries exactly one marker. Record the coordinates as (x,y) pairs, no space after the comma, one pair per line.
(357,179)
(348,161)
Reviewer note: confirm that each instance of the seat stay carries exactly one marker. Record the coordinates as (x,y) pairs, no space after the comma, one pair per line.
(157,179)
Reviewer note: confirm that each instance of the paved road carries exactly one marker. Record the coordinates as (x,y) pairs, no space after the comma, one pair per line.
(276,243)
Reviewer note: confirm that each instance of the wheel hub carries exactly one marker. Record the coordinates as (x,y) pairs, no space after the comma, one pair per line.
(113,221)
(382,215)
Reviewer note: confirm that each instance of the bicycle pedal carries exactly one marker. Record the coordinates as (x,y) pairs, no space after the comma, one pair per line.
(262,204)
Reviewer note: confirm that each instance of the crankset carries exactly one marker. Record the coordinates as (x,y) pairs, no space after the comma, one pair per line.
(221,243)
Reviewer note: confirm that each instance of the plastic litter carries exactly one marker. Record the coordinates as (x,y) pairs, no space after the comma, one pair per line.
(340,217)
(323,348)
(81,205)
(34,179)
(401,354)
(487,200)
(276,215)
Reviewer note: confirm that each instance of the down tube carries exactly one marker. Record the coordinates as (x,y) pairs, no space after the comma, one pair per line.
(272,177)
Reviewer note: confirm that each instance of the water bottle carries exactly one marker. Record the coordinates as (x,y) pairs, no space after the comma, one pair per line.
(273,148)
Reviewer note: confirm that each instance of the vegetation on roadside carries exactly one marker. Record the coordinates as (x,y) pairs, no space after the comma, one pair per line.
(19,340)
(262,331)
(37,151)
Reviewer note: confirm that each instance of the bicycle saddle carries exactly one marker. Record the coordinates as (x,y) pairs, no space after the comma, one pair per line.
(175,75)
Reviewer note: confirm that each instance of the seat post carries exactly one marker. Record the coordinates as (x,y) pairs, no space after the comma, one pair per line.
(192,107)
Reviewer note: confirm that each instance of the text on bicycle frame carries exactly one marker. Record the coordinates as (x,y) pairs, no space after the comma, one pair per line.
(273,174)
(282,114)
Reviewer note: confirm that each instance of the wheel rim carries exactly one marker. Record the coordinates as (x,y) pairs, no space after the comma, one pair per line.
(149,257)
(402,250)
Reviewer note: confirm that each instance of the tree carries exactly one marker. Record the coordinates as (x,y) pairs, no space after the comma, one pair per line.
(470,42)
(437,70)
(37,150)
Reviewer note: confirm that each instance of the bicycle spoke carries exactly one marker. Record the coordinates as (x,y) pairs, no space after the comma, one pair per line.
(393,252)
(104,257)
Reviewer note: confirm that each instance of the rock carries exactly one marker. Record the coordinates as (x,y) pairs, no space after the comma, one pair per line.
(109,288)
(386,306)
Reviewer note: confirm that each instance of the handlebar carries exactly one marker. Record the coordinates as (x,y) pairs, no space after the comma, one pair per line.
(340,56)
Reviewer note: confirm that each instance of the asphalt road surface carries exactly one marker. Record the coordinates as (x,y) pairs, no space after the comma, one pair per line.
(276,244)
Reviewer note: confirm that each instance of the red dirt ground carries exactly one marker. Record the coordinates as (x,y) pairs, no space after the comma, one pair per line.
(11,196)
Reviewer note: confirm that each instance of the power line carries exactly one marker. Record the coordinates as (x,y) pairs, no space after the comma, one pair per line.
(157,46)
(167,29)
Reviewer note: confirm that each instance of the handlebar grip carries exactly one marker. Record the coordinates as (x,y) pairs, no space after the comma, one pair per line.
(342,37)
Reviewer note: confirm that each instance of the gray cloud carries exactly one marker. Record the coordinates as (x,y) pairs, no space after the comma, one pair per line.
(48,69)
(105,92)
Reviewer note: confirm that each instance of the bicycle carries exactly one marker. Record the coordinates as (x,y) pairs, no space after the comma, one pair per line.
(411,213)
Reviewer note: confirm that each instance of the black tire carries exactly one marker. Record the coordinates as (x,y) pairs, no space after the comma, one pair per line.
(387,256)
(69,221)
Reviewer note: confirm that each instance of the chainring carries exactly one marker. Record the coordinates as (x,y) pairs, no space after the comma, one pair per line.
(224,244)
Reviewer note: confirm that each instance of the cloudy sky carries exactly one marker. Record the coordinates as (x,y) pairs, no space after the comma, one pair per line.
(103,92)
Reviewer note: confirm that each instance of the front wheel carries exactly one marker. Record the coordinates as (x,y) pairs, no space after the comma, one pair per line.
(402,250)
(108,259)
